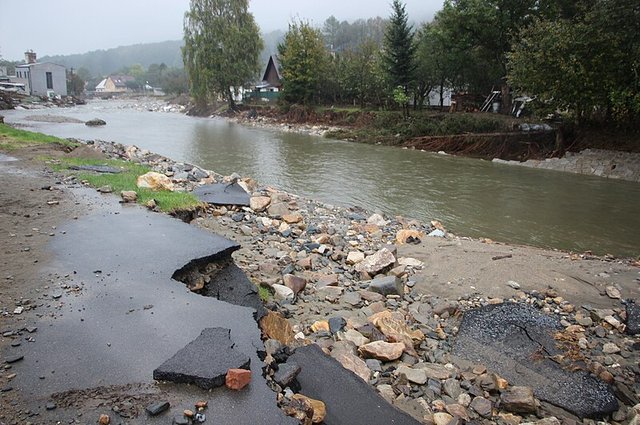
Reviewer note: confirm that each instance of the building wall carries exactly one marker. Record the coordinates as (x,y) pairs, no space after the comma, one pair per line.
(22,77)
(39,79)
(434,97)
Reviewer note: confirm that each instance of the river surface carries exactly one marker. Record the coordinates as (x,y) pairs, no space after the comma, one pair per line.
(470,197)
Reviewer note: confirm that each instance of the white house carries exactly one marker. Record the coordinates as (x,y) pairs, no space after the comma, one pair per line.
(41,79)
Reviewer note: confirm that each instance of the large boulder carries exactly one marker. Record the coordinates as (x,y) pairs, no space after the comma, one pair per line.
(154,181)
(95,122)
(376,263)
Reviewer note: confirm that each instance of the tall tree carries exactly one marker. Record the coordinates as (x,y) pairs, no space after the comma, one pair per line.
(587,65)
(304,60)
(399,50)
(221,50)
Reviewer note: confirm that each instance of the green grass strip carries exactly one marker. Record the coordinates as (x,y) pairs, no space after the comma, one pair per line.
(13,138)
(166,200)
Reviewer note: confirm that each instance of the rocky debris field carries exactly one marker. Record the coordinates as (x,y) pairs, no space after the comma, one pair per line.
(337,278)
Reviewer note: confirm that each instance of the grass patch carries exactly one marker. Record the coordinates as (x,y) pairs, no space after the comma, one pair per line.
(264,293)
(166,200)
(389,127)
(13,138)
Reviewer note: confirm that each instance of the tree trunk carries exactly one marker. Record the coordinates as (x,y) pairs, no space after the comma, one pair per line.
(506,99)
(560,141)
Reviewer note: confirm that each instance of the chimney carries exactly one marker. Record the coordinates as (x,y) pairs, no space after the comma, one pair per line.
(30,56)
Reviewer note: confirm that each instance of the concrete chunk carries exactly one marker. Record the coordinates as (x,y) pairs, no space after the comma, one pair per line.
(323,378)
(204,361)
(222,194)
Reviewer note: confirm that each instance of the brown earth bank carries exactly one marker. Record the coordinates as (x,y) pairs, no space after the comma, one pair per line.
(502,137)
(442,277)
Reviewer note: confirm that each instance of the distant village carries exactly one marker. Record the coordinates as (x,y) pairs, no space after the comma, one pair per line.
(51,80)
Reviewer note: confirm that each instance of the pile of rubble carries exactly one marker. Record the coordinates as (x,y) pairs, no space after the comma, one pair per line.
(337,282)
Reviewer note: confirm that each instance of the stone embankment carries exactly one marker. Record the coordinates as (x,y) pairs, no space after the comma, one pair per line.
(275,125)
(594,162)
(337,280)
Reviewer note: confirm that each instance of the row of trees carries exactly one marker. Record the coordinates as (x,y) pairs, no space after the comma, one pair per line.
(580,57)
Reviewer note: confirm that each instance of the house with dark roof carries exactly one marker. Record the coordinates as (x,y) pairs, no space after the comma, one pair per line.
(271,85)
(115,84)
(41,79)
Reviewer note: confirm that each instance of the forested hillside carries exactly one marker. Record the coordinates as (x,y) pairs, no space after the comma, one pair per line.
(104,62)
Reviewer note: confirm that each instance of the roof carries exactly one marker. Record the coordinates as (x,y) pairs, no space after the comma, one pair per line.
(102,84)
(121,80)
(29,65)
(270,72)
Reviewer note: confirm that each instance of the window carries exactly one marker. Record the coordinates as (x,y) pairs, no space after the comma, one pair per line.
(49,80)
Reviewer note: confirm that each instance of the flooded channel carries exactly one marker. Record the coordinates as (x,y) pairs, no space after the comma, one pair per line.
(470,197)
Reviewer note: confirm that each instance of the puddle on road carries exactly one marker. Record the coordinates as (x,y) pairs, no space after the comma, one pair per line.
(7,158)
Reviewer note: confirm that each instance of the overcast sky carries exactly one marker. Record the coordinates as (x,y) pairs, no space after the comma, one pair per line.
(51,27)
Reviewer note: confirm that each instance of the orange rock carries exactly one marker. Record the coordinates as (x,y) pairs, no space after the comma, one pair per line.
(202,404)
(237,379)
(277,327)
(320,325)
(319,408)
(404,234)
(104,420)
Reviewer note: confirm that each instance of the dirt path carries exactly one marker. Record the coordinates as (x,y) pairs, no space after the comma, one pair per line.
(32,206)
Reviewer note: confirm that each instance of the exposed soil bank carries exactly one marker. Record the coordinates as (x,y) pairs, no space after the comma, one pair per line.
(588,151)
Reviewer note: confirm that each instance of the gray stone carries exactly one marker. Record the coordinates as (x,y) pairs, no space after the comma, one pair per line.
(14,358)
(518,400)
(352,298)
(505,337)
(437,233)
(157,408)
(435,371)
(204,361)
(452,388)
(283,292)
(387,285)
(285,374)
(417,376)
(278,209)
(222,194)
(323,378)
(336,324)
(482,406)
(356,337)
(95,122)
(374,364)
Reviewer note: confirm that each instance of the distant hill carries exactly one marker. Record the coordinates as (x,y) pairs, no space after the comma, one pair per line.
(104,62)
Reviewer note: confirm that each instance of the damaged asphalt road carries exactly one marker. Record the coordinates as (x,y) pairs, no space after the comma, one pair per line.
(130,316)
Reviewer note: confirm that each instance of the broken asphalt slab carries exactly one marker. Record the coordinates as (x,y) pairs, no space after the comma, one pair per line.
(103,334)
(105,169)
(222,194)
(204,361)
(349,399)
(516,341)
